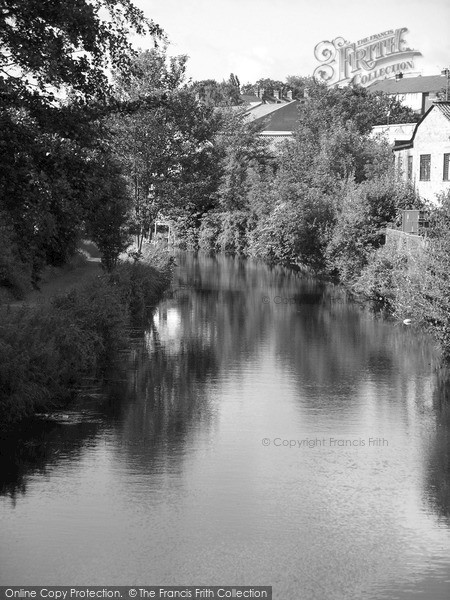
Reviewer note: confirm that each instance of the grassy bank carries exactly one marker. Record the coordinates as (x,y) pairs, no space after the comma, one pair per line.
(46,349)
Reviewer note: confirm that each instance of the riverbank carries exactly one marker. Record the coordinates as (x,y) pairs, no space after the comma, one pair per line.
(70,329)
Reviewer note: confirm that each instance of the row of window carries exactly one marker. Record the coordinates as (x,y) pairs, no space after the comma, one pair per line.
(425,167)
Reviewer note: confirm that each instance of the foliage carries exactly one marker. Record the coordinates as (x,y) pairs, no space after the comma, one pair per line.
(45,351)
(140,285)
(57,166)
(366,210)
(413,285)
(218,94)
(243,150)
(233,235)
(209,231)
(297,228)
(46,45)
(327,106)
(185,231)
(224,232)
(165,149)
(14,274)
(380,278)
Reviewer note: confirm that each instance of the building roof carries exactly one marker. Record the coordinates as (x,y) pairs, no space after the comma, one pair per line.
(277,117)
(262,110)
(410,85)
(442,107)
(394,132)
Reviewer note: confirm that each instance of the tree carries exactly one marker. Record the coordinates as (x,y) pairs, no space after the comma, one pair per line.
(326,106)
(164,144)
(297,85)
(243,150)
(54,89)
(334,188)
(367,208)
(218,94)
(48,44)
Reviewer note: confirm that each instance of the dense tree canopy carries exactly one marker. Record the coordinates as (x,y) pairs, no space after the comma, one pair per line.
(47,44)
(164,145)
(58,173)
(219,94)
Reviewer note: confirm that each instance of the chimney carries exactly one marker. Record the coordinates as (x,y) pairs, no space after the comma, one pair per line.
(289,95)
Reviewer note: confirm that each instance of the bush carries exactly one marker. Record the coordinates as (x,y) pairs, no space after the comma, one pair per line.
(233,229)
(185,231)
(46,351)
(15,276)
(366,210)
(209,232)
(139,285)
(380,278)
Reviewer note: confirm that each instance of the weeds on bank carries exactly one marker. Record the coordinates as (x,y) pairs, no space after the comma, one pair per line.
(45,351)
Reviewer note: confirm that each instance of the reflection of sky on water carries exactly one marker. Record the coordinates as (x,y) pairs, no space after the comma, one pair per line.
(173,478)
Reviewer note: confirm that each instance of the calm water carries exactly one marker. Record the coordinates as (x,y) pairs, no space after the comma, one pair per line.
(163,477)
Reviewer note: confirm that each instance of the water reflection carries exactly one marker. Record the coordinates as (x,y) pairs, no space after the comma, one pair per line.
(166,468)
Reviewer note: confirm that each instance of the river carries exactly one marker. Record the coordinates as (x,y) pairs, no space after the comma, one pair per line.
(263,430)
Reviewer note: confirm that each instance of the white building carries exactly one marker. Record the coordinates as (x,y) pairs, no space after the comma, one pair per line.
(425,158)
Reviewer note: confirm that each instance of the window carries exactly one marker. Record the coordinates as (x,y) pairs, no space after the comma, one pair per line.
(425,163)
(410,167)
(446,165)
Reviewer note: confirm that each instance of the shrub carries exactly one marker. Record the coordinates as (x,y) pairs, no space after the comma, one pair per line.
(46,351)
(380,278)
(15,276)
(209,232)
(366,210)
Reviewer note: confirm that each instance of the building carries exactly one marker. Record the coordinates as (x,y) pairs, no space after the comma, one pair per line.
(424,159)
(278,121)
(394,132)
(418,93)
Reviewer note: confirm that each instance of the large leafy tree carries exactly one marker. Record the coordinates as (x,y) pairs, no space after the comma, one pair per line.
(66,44)
(165,143)
(54,89)
(218,94)
(327,106)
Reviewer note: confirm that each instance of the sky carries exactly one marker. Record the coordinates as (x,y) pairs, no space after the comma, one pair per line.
(276,38)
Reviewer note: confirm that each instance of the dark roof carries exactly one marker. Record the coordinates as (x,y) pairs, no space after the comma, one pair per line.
(410,85)
(284,118)
(443,107)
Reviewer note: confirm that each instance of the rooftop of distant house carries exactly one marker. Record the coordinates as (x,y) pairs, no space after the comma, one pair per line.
(442,107)
(276,117)
(410,85)
(278,96)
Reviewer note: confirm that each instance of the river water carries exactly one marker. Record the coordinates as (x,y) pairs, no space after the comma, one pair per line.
(263,431)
